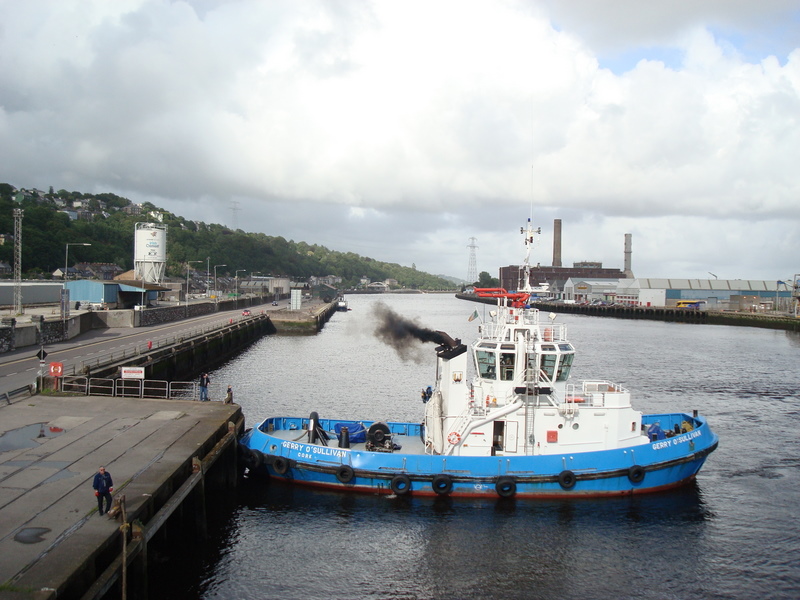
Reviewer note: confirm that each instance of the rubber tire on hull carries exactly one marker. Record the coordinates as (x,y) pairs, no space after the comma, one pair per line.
(567,479)
(345,474)
(257,460)
(506,487)
(401,485)
(442,484)
(281,465)
(636,474)
(251,459)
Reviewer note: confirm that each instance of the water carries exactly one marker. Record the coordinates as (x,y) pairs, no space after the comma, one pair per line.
(732,535)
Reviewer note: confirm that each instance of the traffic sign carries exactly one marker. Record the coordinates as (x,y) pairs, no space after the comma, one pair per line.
(41,354)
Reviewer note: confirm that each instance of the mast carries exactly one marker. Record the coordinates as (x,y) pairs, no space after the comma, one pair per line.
(525,282)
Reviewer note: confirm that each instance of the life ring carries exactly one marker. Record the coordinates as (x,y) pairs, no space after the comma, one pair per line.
(442,484)
(281,465)
(506,487)
(345,474)
(567,480)
(636,474)
(400,484)
(454,437)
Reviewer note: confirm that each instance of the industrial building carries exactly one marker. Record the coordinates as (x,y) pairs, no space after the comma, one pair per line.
(714,294)
(591,282)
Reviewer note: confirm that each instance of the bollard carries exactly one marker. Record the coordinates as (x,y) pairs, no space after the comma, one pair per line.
(344,437)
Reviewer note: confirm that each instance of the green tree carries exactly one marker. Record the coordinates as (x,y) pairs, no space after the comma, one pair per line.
(487,281)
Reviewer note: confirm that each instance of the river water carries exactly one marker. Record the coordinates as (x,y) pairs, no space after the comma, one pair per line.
(734,534)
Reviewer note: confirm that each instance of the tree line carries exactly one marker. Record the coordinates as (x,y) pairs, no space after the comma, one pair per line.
(110,231)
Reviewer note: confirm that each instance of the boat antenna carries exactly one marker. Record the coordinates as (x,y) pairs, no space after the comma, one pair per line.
(525,272)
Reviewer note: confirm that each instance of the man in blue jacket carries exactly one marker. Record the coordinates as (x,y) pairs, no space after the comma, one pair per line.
(205,380)
(103,486)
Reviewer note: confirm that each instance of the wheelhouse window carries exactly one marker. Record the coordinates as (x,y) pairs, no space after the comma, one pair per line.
(506,366)
(564,367)
(487,365)
(555,360)
(548,364)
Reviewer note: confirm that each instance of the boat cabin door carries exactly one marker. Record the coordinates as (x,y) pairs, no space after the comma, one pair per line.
(504,437)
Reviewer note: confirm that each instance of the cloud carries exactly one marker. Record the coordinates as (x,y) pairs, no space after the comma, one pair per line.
(399,130)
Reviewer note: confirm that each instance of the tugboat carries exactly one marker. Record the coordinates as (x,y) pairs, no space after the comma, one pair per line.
(503,419)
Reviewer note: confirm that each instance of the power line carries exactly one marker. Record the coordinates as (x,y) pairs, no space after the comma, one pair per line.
(472,269)
(18,213)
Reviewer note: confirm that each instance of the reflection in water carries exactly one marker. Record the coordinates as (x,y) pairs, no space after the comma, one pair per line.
(27,436)
(731,535)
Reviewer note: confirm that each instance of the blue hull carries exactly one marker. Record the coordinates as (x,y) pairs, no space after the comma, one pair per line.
(278,447)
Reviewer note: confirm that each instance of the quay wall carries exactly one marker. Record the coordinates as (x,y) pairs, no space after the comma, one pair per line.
(303,322)
(661,313)
(171,462)
(186,358)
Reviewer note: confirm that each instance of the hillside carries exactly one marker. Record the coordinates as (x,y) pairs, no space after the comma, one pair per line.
(106,221)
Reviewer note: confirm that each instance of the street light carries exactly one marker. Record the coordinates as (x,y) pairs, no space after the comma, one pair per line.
(188,264)
(236,277)
(208,274)
(216,291)
(66,255)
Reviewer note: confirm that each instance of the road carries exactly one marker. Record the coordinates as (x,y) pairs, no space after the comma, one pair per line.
(21,367)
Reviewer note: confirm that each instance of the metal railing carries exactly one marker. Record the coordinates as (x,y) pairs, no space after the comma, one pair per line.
(130,388)
(141,348)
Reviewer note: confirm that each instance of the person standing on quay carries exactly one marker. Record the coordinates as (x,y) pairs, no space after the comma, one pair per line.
(204,381)
(229,396)
(103,486)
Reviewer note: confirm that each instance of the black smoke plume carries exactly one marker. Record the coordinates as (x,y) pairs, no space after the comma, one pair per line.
(403,334)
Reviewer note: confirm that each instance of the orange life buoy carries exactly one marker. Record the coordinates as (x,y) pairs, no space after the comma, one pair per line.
(454,437)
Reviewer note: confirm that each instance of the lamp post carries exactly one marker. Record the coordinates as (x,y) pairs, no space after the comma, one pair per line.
(216,291)
(66,255)
(188,264)
(208,273)
(236,277)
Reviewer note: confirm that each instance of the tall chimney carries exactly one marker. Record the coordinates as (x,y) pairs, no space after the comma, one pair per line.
(628,252)
(557,243)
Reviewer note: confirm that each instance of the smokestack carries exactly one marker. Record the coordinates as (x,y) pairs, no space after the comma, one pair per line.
(557,243)
(628,252)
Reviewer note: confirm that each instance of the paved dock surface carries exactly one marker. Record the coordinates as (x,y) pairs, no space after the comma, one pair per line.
(50,450)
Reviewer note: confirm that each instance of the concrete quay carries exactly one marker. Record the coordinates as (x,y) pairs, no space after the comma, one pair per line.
(162,455)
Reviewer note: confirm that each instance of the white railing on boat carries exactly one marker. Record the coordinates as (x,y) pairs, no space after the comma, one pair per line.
(592,393)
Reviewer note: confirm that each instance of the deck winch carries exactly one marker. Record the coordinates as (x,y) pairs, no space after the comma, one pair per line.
(379,438)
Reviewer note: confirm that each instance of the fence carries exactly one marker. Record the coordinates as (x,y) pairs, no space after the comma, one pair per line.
(131,388)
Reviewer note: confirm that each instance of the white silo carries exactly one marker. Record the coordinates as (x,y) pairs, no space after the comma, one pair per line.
(150,252)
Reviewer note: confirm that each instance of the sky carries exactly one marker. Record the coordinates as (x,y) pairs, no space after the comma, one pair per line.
(400,129)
